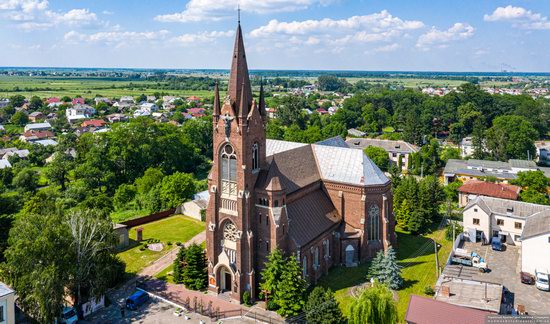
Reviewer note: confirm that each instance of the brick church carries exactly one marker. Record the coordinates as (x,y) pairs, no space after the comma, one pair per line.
(326,203)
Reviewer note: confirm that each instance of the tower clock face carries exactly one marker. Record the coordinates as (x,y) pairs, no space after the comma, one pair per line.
(374,211)
(230,232)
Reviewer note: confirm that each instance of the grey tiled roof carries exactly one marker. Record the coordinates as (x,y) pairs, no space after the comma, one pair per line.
(276,146)
(483,168)
(5,290)
(501,207)
(536,225)
(334,141)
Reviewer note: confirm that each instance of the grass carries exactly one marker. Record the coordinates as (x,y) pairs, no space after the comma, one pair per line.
(173,229)
(124,215)
(166,274)
(415,254)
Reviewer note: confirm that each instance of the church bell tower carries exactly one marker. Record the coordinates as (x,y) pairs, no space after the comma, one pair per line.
(239,146)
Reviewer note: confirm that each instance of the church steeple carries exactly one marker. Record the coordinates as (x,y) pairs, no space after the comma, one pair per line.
(239,80)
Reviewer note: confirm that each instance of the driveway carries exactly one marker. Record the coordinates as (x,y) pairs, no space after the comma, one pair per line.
(505,267)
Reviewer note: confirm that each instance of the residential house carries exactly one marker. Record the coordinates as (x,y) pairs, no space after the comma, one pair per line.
(115,118)
(474,188)
(97,123)
(79,112)
(321,111)
(2,129)
(424,310)
(196,207)
(543,152)
(535,243)
(197,112)
(127,100)
(466,147)
(23,154)
(5,164)
(38,127)
(46,142)
(194,99)
(121,106)
(7,304)
(98,100)
(487,217)
(4,151)
(145,109)
(399,151)
(53,100)
(36,116)
(32,136)
(4,103)
(151,99)
(478,169)
(78,101)
(356,133)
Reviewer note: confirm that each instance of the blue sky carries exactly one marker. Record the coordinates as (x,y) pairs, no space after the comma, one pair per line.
(419,35)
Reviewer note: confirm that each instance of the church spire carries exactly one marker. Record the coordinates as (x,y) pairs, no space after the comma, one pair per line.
(217,107)
(239,80)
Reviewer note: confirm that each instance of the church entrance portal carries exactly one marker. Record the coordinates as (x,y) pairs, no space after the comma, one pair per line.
(225,276)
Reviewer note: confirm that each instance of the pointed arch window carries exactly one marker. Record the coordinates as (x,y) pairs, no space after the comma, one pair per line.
(374,223)
(229,170)
(304,267)
(255,156)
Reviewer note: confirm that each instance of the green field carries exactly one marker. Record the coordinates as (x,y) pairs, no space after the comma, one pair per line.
(173,229)
(45,87)
(415,255)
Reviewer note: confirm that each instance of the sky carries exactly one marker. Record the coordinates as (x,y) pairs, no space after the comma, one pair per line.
(373,35)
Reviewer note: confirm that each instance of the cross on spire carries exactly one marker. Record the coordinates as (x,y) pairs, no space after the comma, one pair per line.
(239,13)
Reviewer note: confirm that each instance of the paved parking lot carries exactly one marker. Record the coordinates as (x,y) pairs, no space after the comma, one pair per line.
(505,267)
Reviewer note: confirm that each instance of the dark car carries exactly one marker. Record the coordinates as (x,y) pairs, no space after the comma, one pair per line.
(136,300)
(527,278)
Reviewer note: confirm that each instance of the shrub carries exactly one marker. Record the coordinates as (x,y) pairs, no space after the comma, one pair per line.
(169,242)
(428,290)
(179,244)
(246,298)
(271,305)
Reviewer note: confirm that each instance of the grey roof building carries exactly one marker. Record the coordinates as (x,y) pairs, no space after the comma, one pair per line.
(483,168)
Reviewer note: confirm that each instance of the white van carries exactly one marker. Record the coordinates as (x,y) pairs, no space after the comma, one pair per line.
(542,281)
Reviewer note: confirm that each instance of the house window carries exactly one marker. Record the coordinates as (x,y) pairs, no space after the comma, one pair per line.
(255,156)
(267,246)
(316,258)
(229,170)
(276,203)
(476,221)
(500,222)
(260,218)
(517,225)
(304,267)
(2,318)
(267,220)
(475,210)
(327,248)
(283,229)
(374,223)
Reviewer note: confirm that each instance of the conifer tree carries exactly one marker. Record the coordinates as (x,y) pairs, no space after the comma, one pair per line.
(391,271)
(376,266)
(290,290)
(322,307)
(194,274)
(179,264)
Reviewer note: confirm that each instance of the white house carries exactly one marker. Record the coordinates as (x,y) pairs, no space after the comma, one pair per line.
(7,305)
(466,147)
(79,112)
(487,217)
(5,164)
(535,240)
(4,103)
(127,100)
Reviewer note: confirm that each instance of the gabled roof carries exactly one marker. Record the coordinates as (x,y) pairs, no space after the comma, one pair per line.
(496,190)
(310,216)
(388,145)
(536,225)
(423,310)
(336,141)
(505,207)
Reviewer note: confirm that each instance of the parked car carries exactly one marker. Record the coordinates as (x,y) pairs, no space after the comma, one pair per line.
(136,300)
(527,278)
(542,281)
(69,315)
(496,244)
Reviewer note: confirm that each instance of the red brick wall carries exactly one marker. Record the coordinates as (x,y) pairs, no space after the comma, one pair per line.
(149,218)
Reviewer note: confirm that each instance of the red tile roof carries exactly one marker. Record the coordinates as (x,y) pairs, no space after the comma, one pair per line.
(489,189)
(53,100)
(94,123)
(424,310)
(78,101)
(38,134)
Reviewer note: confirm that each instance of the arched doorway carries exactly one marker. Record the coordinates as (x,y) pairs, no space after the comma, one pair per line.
(350,256)
(226,280)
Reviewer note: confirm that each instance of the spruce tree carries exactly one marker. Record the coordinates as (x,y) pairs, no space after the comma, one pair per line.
(376,266)
(179,264)
(194,275)
(391,271)
(322,307)
(289,295)
(272,273)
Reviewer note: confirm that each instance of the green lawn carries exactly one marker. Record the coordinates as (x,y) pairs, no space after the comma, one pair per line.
(124,215)
(416,255)
(173,229)
(166,274)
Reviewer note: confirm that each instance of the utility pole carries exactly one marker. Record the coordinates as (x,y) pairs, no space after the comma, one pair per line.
(436,259)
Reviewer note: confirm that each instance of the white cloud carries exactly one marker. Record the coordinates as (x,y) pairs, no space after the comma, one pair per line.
(442,38)
(520,17)
(74,17)
(387,48)
(202,37)
(23,5)
(114,37)
(200,10)
(375,23)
